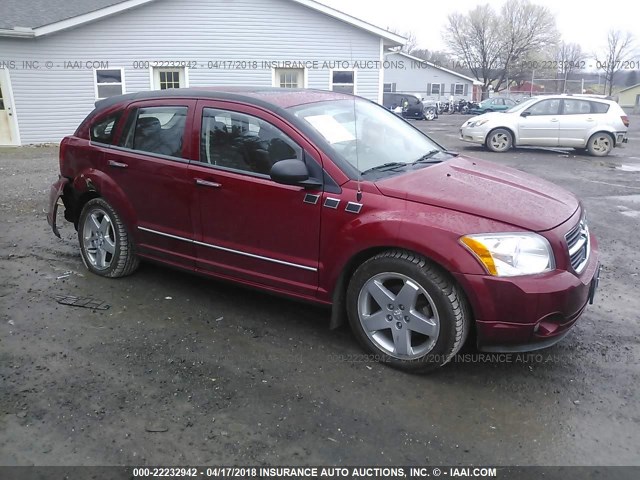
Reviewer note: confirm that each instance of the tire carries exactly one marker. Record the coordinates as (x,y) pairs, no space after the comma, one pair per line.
(499,140)
(600,144)
(105,244)
(429,114)
(426,330)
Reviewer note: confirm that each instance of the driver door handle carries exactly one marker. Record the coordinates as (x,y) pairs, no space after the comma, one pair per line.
(207,183)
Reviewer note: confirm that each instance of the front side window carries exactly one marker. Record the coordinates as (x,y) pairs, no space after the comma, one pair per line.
(343,81)
(366,135)
(108,83)
(289,78)
(158,130)
(545,107)
(243,142)
(103,130)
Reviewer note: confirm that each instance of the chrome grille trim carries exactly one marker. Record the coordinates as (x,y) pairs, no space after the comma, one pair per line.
(579,245)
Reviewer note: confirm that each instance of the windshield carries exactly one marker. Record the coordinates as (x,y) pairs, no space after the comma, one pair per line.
(521,106)
(366,135)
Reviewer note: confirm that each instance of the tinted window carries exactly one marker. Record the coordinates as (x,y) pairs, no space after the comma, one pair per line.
(576,107)
(509,102)
(545,107)
(157,130)
(597,107)
(243,142)
(103,131)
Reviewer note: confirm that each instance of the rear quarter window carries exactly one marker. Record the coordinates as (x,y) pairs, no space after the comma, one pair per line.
(103,130)
(598,107)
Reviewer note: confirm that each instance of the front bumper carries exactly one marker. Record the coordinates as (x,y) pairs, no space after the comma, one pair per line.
(473,135)
(529,312)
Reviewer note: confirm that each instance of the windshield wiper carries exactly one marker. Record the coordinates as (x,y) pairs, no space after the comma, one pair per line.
(426,158)
(385,166)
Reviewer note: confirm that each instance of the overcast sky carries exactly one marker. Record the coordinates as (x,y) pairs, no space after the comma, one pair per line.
(579,21)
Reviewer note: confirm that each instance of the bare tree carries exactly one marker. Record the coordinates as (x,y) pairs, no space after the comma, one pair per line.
(412,41)
(492,44)
(570,57)
(441,59)
(619,49)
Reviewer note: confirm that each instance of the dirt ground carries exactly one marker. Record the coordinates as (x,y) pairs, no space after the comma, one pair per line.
(186,370)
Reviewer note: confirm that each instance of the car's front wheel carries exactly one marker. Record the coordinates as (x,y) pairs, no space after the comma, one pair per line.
(429,113)
(406,311)
(600,144)
(105,244)
(499,140)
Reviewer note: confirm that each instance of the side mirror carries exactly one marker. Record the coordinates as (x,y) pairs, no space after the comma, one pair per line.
(293,172)
(525,114)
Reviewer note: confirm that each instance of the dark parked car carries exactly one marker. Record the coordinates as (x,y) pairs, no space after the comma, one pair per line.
(332,199)
(410,105)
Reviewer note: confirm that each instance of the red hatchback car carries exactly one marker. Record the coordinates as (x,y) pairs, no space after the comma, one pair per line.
(333,199)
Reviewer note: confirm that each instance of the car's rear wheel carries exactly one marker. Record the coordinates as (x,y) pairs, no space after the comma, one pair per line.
(499,140)
(600,144)
(105,243)
(406,311)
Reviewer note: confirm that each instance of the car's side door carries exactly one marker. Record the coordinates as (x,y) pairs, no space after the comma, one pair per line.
(539,124)
(249,227)
(149,164)
(576,122)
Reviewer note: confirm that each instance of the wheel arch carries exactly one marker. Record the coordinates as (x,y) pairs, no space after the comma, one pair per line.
(600,130)
(338,304)
(94,184)
(501,127)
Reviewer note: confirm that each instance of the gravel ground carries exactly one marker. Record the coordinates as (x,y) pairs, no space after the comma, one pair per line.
(187,370)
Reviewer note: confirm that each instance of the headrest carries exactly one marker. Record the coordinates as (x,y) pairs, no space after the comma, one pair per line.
(148,124)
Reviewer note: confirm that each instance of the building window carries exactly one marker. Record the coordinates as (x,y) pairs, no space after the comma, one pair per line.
(389,87)
(289,78)
(435,89)
(343,81)
(166,78)
(109,82)
(459,89)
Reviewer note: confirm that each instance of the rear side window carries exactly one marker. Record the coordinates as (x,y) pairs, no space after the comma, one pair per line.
(103,130)
(598,107)
(576,107)
(158,130)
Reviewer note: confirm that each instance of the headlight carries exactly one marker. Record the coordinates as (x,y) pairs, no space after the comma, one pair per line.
(511,254)
(478,123)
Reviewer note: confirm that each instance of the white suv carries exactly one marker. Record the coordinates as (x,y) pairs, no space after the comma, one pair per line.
(566,121)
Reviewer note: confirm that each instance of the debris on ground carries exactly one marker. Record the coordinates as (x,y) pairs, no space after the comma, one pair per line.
(85,302)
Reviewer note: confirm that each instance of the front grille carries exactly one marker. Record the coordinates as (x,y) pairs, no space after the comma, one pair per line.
(579,245)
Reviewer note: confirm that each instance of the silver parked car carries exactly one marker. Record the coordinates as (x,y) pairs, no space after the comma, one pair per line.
(567,121)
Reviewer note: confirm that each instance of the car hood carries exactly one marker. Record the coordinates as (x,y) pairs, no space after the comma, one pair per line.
(485,189)
(487,116)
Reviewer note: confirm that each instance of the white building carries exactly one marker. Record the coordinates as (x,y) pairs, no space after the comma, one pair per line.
(58,57)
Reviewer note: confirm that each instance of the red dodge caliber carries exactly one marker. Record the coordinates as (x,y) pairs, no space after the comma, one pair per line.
(333,199)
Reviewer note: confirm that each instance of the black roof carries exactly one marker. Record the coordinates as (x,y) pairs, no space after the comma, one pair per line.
(270,97)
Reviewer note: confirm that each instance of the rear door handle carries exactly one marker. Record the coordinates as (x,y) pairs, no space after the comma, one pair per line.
(554,120)
(207,183)
(113,163)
